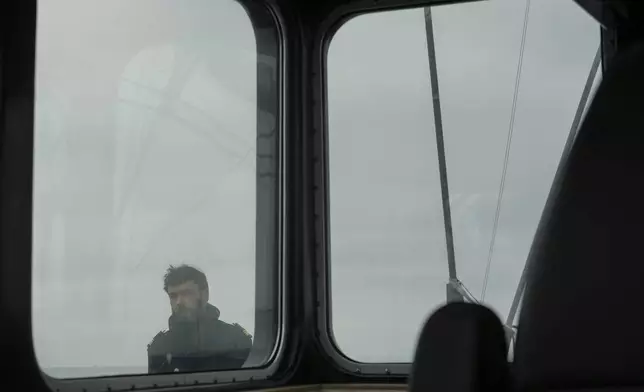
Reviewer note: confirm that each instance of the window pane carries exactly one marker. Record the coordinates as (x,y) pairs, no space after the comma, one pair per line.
(145,157)
(387,236)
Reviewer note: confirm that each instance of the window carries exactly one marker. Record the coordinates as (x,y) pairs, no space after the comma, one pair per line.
(148,140)
(387,251)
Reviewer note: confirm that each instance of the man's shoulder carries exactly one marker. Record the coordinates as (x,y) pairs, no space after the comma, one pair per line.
(239,329)
(159,342)
(235,331)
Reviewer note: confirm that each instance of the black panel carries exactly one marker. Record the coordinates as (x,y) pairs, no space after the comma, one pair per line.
(18,25)
(578,328)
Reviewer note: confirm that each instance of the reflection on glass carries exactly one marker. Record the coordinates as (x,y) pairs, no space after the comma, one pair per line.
(387,238)
(196,339)
(145,157)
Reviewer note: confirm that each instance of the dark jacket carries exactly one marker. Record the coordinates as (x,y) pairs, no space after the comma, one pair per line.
(207,344)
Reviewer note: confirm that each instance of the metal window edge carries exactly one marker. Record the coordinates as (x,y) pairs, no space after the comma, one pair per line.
(249,378)
(327,30)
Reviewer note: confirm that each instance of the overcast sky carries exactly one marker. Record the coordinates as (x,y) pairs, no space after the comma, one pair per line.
(388,243)
(138,167)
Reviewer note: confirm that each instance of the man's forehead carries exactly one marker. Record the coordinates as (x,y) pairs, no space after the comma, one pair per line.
(189,285)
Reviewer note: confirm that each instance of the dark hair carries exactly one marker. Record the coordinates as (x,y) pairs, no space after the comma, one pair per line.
(175,276)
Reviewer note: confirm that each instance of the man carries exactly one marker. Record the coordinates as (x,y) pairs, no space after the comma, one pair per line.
(196,339)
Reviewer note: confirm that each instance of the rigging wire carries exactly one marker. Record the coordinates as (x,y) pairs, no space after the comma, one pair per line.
(507,150)
(467,291)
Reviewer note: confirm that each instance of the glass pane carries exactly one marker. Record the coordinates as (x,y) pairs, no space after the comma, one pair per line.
(145,158)
(387,236)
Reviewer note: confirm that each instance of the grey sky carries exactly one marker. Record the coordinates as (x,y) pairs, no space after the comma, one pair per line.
(127,182)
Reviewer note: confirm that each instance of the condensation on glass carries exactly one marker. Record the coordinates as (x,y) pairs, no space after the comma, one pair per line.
(146,156)
(388,251)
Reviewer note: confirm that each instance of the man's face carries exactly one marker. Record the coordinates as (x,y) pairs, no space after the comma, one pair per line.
(186,300)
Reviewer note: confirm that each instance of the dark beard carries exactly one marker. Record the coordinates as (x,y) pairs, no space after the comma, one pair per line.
(186,315)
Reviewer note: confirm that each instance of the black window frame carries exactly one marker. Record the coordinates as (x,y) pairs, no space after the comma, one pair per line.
(307,354)
(17,70)
(335,20)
